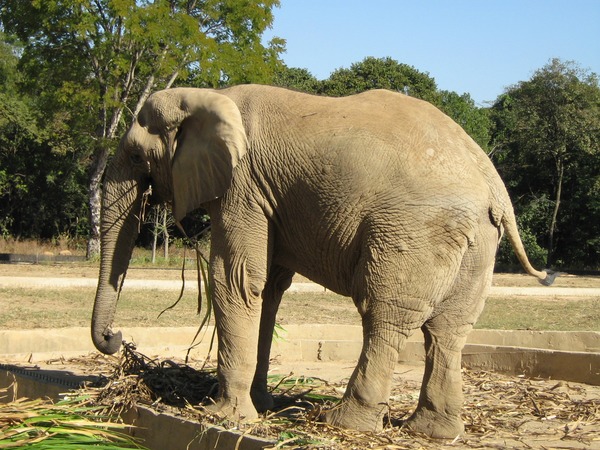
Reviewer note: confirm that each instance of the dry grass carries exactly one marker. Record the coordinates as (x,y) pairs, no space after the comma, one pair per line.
(541,313)
(72,307)
(36,247)
(23,308)
(78,247)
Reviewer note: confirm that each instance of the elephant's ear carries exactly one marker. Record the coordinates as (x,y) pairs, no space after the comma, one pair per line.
(207,139)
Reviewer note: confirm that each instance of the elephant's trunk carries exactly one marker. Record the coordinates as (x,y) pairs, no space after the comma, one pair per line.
(121,204)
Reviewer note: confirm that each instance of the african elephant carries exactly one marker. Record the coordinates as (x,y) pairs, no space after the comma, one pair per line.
(376,196)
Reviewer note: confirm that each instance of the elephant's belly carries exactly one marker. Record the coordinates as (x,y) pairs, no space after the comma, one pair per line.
(330,275)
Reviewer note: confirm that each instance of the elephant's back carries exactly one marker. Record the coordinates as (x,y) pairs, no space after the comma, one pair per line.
(377,128)
(367,149)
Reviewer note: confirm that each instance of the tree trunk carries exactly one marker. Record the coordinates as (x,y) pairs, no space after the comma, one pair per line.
(101,154)
(105,136)
(154,237)
(95,187)
(560,169)
(95,197)
(144,95)
(165,230)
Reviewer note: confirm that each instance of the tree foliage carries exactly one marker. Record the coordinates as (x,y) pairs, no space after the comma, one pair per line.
(42,185)
(92,63)
(297,79)
(380,73)
(462,109)
(547,148)
(73,74)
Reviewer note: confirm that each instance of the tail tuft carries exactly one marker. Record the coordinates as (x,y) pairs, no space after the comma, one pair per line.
(550,277)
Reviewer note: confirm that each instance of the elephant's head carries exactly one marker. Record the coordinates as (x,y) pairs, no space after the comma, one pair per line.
(184,143)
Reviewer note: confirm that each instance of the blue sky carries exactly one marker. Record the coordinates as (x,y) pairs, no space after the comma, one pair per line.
(475,46)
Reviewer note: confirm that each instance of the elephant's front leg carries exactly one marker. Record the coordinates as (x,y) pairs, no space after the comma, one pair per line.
(240,258)
(238,271)
(237,324)
(278,281)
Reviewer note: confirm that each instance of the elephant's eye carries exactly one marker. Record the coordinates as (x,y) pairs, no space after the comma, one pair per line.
(136,158)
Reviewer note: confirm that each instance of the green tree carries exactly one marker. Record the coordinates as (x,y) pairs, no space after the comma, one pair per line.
(297,79)
(92,63)
(462,109)
(42,187)
(547,148)
(9,73)
(380,73)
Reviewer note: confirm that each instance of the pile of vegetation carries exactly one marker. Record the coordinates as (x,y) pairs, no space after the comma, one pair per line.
(499,409)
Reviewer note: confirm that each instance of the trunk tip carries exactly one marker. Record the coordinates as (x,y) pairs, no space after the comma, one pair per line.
(108,342)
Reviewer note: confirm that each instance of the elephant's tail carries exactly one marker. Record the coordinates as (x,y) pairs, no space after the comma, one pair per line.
(509,222)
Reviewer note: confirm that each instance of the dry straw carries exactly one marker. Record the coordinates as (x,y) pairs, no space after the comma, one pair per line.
(500,410)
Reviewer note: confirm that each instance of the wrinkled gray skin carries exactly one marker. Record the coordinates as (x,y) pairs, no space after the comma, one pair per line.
(377,196)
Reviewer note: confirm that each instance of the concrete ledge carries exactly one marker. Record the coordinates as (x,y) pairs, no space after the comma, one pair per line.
(571,356)
(18,258)
(297,342)
(20,384)
(42,342)
(571,341)
(163,431)
(558,365)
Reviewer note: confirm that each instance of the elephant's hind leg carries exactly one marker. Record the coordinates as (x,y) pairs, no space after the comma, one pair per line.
(441,398)
(365,402)
(394,302)
(438,412)
(278,281)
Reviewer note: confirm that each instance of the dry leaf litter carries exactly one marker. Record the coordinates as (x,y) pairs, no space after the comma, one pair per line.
(500,411)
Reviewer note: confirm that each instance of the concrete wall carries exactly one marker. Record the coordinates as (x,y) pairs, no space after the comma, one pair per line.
(571,356)
(297,341)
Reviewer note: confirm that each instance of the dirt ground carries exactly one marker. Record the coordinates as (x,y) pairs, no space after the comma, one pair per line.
(91,271)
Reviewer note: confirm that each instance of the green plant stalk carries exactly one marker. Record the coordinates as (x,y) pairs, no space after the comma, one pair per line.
(68,424)
(203,284)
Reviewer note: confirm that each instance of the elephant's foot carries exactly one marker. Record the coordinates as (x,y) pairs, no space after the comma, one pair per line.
(349,414)
(234,410)
(261,398)
(435,425)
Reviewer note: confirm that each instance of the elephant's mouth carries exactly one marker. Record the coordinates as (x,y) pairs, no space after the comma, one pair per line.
(156,193)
